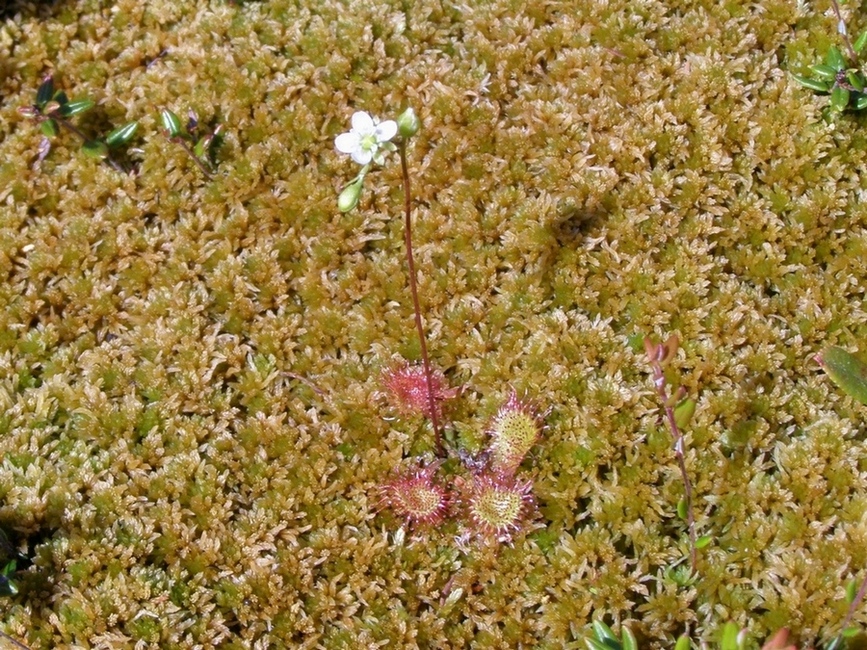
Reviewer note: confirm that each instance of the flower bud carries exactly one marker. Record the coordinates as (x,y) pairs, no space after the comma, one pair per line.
(408,123)
(348,198)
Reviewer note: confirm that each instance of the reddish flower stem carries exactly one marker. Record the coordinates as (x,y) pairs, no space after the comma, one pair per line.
(659,383)
(407,207)
(853,55)
(853,606)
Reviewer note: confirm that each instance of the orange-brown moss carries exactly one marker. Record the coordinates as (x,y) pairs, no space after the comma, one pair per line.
(188,438)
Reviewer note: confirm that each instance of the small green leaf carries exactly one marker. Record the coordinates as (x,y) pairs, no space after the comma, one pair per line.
(95,149)
(203,145)
(824,72)
(860,102)
(682,509)
(856,80)
(171,123)
(851,591)
(629,642)
(593,644)
(845,370)
(604,633)
(812,84)
(45,91)
(51,108)
(74,108)
(682,642)
(839,99)
(121,135)
(61,98)
(860,42)
(729,639)
(348,198)
(49,128)
(834,59)
(7,586)
(703,541)
(849,632)
(683,413)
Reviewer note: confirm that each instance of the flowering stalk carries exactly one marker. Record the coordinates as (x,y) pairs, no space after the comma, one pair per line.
(844,33)
(410,261)
(368,142)
(659,354)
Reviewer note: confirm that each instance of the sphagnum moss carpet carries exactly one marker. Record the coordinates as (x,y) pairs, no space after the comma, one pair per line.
(192,439)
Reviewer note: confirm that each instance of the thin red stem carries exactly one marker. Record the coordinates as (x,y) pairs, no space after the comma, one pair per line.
(410,261)
(192,155)
(659,383)
(853,606)
(62,121)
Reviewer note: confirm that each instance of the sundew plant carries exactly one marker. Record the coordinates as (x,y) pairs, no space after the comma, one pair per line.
(565,356)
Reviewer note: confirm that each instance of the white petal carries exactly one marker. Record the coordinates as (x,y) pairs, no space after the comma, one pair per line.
(362,123)
(386,130)
(362,156)
(347,142)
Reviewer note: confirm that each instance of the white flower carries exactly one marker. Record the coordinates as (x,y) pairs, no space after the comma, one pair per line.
(367,138)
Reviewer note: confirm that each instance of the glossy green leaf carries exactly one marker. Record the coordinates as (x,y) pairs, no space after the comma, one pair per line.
(839,99)
(45,92)
(683,413)
(74,108)
(593,644)
(49,128)
(202,147)
(860,103)
(348,198)
(682,509)
(860,42)
(628,638)
(851,591)
(813,84)
(604,633)
(845,370)
(61,98)
(682,642)
(7,586)
(121,135)
(855,80)
(834,59)
(703,541)
(851,631)
(95,149)
(824,72)
(171,123)
(729,640)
